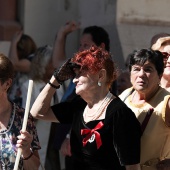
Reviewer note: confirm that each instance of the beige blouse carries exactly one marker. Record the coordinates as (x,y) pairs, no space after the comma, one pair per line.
(155,141)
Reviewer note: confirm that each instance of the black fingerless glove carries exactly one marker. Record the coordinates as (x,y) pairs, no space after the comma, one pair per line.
(65,72)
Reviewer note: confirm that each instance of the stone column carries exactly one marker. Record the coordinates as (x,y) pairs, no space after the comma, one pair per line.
(8,19)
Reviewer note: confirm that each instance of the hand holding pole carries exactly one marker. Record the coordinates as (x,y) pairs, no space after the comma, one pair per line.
(24,125)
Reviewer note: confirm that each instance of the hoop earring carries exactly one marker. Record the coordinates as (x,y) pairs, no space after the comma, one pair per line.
(99,84)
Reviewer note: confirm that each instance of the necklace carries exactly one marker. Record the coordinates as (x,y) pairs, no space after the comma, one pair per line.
(98,113)
(6,140)
(10,121)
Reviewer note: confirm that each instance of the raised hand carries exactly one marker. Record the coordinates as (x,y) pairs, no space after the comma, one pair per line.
(65,72)
(24,142)
(69,27)
(17,37)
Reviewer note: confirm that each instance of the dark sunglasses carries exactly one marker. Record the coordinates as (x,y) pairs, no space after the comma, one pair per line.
(165,55)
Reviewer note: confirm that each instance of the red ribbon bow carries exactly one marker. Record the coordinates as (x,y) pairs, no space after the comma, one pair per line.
(90,132)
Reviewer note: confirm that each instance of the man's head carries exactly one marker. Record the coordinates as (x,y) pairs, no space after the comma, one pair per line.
(94,35)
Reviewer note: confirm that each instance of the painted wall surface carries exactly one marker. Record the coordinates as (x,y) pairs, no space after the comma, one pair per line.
(99,12)
(139,20)
(4,47)
(103,13)
(144,11)
(43,19)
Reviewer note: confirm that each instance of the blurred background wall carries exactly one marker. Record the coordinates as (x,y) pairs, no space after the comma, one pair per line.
(130,24)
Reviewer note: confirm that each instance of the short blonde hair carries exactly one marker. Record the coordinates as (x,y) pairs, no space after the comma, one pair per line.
(159,40)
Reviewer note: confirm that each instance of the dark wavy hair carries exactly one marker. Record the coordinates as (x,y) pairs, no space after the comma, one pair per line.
(26,46)
(99,35)
(6,68)
(139,57)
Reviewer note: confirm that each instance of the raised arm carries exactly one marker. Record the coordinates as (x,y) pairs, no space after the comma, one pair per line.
(59,53)
(21,65)
(41,108)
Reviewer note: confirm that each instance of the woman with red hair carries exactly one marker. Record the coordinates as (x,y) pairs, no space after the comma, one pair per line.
(105,133)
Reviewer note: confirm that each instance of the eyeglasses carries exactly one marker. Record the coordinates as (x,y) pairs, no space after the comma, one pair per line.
(165,56)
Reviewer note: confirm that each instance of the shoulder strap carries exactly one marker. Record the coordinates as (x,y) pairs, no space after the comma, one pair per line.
(146,119)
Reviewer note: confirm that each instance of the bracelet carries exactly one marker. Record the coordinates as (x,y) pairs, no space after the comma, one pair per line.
(26,158)
(54,86)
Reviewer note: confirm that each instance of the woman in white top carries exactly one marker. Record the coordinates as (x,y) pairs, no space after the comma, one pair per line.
(40,73)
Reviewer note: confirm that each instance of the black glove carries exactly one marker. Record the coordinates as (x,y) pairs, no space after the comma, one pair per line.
(65,72)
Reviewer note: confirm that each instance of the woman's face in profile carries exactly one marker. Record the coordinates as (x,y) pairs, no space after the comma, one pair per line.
(166,48)
(85,82)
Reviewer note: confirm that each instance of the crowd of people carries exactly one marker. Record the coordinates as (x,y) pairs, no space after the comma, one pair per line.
(92,35)
(98,116)
(100,130)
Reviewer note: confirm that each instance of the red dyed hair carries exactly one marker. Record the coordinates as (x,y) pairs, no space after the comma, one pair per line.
(95,59)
